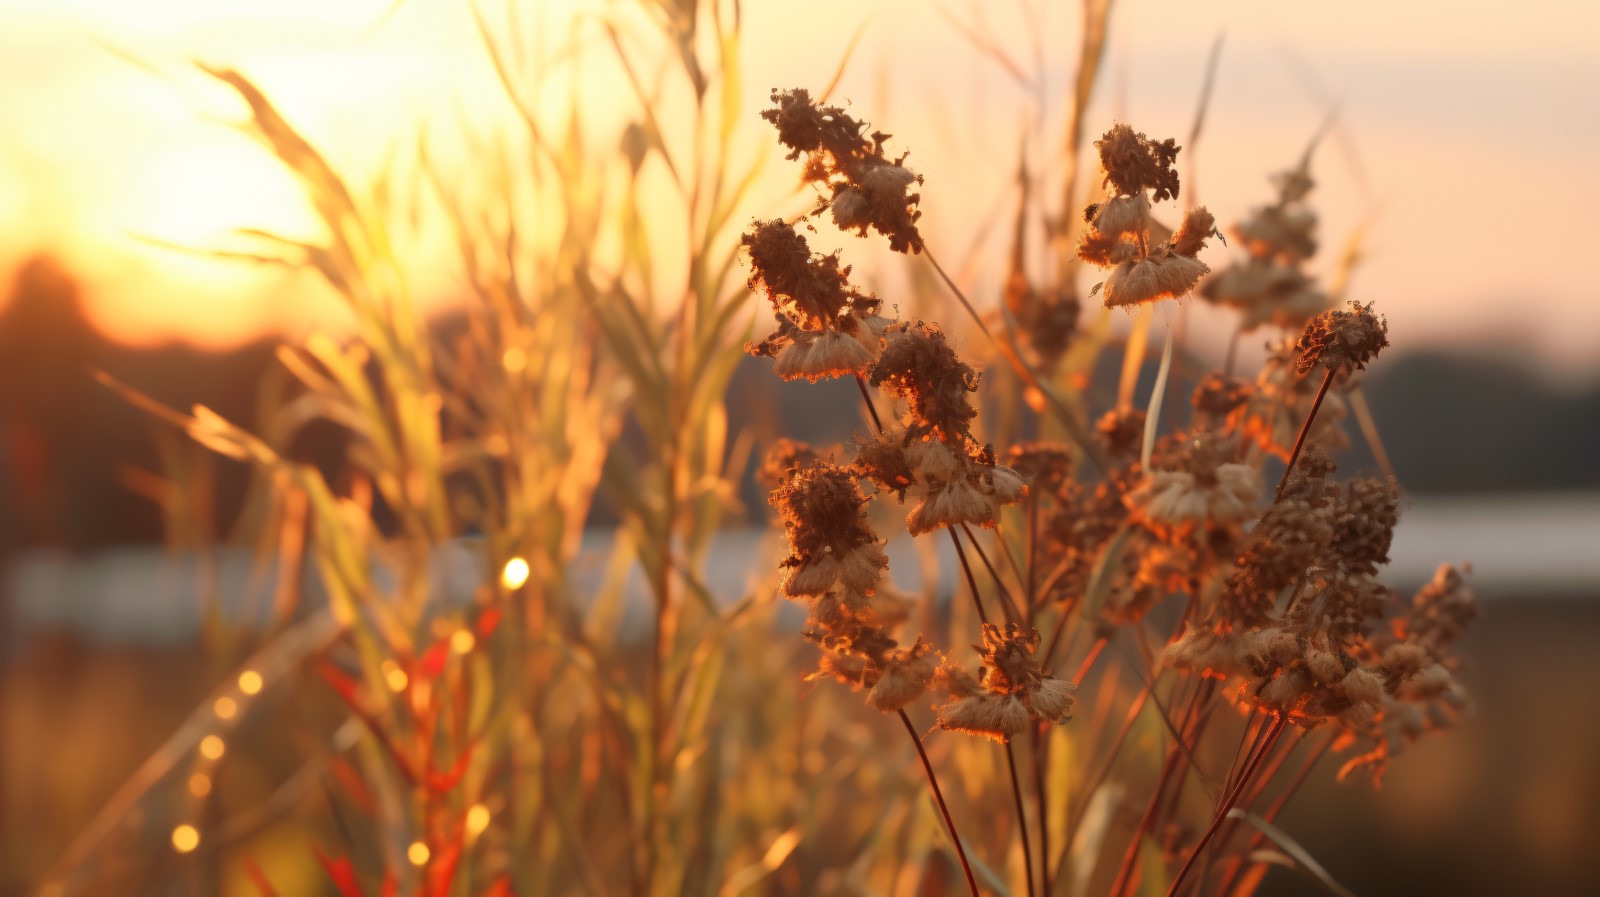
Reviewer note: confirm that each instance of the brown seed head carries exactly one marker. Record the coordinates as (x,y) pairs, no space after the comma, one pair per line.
(918,365)
(1134,163)
(1342,341)
(810,289)
(1364,519)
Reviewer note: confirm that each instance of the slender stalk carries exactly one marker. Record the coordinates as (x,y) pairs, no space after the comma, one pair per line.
(1007,603)
(927,765)
(1226,805)
(972,583)
(1173,770)
(1031,593)
(1300,441)
(1041,753)
(1076,816)
(1271,814)
(1089,659)
(1022,817)
(872,410)
(938,797)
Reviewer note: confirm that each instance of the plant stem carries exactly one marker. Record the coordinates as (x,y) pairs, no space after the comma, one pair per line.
(1041,753)
(1022,817)
(1300,441)
(1031,592)
(1228,801)
(972,582)
(1272,812)
(1007,603)
(938,797)
(866,398)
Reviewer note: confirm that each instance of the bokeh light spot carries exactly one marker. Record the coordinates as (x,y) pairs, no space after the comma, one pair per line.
(250,682)
(515,573)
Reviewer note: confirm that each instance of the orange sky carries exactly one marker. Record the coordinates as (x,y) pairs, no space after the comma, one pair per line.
(1467,135)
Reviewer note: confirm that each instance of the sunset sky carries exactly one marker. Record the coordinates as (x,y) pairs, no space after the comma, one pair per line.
(1466,137)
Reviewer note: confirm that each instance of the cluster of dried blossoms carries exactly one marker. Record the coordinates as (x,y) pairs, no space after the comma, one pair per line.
(1280,590)
(1148,262)
(1296,624)
(928,457)
(1270,286)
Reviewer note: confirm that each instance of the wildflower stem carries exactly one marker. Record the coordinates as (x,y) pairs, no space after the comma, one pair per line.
(1089,659)
(1227,803)
(1300,441)
(1007,603)
(972,582)
(1041,747)
(938,797)
(1271,814)
(1189,731)
(1022,816)
(872,410)
(1032,558)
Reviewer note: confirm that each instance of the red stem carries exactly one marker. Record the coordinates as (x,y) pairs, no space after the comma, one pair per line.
(938,797)
(1226,805)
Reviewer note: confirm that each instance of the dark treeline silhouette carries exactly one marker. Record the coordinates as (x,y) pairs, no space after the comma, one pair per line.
(77,461)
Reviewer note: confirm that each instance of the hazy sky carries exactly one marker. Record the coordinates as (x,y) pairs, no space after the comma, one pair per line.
(1466,137)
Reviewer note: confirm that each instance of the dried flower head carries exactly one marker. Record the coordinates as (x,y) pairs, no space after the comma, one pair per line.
(1134,163)
(1363,524)
(1009,683)
(1047,318)
(1146,265)
(829,538)
(867,189)
(1218,396)
(1343,340)
(1047,466)
(1442,609)
(811,289)
(1121,432)
(1162,275)
(918,365)
(1210,491)
(905,675)
(1198,226)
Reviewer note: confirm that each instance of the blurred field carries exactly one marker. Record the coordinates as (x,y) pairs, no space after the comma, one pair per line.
(1506,804)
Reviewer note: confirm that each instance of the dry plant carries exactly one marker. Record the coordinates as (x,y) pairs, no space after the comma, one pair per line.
(1281,625)
(1216,641)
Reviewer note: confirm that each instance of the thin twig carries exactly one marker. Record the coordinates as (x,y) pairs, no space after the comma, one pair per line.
(1227,804)
(1300,441)
(1022,817)
(938,797)
(872,410)
(1013,613)
(972,582)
